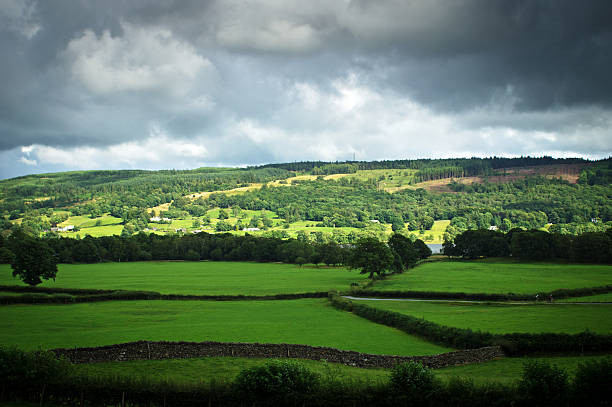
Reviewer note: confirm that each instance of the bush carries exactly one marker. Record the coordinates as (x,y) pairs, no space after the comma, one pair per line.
(21,368)
(412,378)
(276,379)
(543,384)
(593,382)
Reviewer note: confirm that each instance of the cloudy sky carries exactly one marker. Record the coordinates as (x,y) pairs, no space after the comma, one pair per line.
(157,84)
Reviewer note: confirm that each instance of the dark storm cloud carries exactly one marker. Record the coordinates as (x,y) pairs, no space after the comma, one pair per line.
(454,54)
(223,74)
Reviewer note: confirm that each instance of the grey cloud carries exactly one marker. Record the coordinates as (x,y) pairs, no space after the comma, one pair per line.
(528,65)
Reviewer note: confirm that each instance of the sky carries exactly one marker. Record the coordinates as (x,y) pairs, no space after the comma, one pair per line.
(177,84)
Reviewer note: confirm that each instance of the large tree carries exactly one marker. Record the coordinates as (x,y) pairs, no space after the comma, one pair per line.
(404,252)
(371,256)
(34,260)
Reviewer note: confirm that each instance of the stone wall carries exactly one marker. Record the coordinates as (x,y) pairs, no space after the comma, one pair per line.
(144,350)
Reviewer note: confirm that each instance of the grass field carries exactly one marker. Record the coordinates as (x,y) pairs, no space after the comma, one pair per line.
(510,369)
(499,318)
(205,277)
(95,231)
(497,277)
(199,370)
(436,232)
(108,225)
(202,370)
(591,298)
(308,321)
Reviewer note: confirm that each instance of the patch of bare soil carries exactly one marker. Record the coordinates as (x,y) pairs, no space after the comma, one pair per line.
(568,172)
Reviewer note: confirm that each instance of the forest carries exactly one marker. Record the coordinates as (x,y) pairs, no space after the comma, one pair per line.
(347,197)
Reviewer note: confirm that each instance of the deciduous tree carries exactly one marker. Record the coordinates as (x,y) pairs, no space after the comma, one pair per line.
(34,260)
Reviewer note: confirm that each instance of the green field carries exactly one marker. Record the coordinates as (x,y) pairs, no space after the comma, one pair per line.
(591,298)
(500,318)
(205,277)
(108,225)
(203,370)
(435,234)
(510,369)
(497,277)
(308,321)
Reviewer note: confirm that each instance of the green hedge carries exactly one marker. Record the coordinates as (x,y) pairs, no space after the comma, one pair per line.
(556,294)
(47,296)
(513,344)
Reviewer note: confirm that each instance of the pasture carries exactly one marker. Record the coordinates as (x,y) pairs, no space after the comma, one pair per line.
(204,370)
(496,277)
(435,234)
(201,278)
(508,370)
(591,298)
(308,321)
(505,318)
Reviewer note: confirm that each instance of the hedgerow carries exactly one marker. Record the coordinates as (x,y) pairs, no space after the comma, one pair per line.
(513,343)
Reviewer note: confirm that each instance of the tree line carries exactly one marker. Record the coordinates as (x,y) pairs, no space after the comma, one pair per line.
(473,166)
(590,247)
(35,258)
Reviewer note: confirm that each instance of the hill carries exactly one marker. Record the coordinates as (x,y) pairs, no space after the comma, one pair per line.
(318,200)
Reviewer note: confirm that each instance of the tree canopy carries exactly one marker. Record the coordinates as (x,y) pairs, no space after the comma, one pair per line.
(371,256)
(33,260)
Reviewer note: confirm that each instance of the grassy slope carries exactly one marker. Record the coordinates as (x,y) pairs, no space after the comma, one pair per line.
(562,318)
(497,277)
(197,277)
(309,321)
(436,231)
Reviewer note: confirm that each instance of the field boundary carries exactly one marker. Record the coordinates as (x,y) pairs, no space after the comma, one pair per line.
(51,295)
(434,295)
(37,295)
(150,350)
(463,338)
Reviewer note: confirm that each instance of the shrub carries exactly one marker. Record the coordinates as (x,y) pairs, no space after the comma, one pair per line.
(543,384)
(412,378)
(21,368)
(593,382)
(276,379)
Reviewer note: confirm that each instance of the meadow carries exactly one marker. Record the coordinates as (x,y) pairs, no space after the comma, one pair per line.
(507,318)
(493,276)
(308,321)
(435,234)
(201,278)
(591,298)
(305,321)
(203,370)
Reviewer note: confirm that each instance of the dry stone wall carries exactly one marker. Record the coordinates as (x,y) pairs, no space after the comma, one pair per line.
(143,350)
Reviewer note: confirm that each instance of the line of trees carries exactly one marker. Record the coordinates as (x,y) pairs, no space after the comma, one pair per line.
(590,247)
(472,166)
(26,253)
